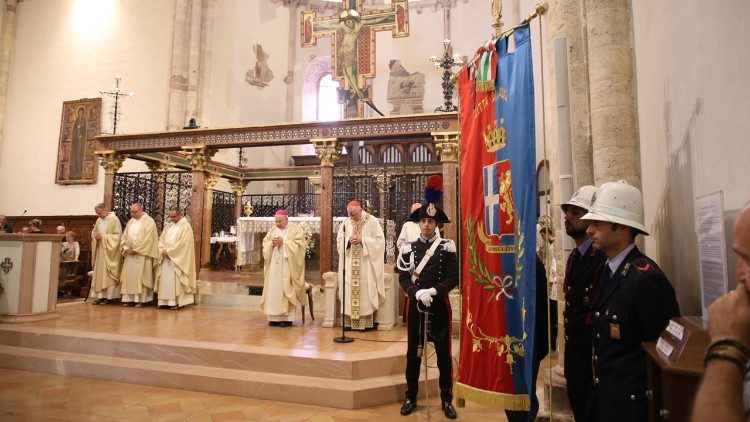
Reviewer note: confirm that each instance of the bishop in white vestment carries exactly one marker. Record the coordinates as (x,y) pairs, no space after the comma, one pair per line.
(361,247)
(284,248)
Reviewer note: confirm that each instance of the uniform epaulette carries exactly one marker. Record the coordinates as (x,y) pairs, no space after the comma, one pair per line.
(449,245)
(406,248)
(643,266)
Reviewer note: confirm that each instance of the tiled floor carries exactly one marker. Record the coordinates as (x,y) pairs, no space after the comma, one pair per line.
(29,396)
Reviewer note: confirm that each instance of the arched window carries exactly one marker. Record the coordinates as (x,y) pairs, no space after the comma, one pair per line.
(392,155)
(328,107)
(421,155)
(543,186)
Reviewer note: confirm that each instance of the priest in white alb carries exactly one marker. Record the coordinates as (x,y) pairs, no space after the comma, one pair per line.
(175,287)
(105,258)
(284,248)
(361,246)
(140,249)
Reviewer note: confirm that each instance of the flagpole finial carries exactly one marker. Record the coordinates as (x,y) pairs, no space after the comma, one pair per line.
(497,17)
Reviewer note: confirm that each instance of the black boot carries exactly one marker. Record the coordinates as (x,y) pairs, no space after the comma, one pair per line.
(449,410)
(408,407)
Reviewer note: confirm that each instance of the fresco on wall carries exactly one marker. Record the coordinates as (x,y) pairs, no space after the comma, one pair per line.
(80,123)
(405,90)
(259,76)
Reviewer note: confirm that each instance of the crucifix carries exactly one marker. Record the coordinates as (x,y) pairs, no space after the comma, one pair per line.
(353,45)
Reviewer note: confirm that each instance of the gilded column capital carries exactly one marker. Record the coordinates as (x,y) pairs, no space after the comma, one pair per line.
(110,160)
(447,146)
(317,183)
(199,156)
(210,180)
(328,150)
(238,186)
(158,166)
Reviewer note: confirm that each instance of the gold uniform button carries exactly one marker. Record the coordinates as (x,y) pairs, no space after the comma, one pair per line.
(596,314)
(632,397)
(598,336)
(596,380)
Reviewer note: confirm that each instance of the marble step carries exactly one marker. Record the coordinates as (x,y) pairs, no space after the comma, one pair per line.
(259,359)
(321,391)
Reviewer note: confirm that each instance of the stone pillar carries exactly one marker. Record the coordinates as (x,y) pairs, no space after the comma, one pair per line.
(111,161)
(446,144)
(7,42)
(192,44)
(387,311)
(611,75)
(328,150)
(293,36)
(316,182)
(198,156)
(330,282)
(238,187)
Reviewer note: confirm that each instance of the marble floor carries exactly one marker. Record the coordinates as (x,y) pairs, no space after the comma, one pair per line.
(30,396)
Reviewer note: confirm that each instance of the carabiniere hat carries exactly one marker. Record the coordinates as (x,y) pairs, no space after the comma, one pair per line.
(433,191)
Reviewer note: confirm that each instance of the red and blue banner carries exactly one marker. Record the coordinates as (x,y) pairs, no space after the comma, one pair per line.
(498,209)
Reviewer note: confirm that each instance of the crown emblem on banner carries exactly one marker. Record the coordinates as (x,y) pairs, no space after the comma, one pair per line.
(495,138)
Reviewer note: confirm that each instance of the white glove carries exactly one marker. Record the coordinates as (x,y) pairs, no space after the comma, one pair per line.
(424,296)
(432,291)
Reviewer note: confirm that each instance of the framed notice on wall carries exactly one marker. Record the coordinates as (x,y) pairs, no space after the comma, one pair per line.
(80,123)
(712,250)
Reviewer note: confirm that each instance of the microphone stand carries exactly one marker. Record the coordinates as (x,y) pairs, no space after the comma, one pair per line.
(343,338)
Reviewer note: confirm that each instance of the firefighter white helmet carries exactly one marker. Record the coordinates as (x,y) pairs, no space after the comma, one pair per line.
(582,198)
(620,203)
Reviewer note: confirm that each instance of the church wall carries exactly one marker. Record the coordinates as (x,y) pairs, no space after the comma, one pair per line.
(67,50)
(693,103)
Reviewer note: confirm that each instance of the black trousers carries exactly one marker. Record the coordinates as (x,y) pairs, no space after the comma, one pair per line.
(440,335)
(578,376)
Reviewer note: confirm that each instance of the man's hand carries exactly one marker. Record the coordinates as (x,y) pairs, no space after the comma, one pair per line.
(164,254)
(98,236)
(277,241)
(355,240)
(424,296)
(729,316)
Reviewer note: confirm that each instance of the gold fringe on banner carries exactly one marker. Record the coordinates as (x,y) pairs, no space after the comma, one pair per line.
(493,399)
(485,86)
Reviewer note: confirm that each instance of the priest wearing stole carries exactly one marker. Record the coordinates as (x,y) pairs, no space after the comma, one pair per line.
(176,285)
(361,246)
(105,259)
(284,248)
(140,247)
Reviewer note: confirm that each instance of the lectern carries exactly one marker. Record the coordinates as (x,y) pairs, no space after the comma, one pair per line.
(674,368)
(29,268)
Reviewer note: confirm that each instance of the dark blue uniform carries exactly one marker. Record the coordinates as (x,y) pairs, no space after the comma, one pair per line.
(634,306)
(441,272)
(580,281)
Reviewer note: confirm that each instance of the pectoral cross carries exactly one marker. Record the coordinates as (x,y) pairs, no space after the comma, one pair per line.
(353,45)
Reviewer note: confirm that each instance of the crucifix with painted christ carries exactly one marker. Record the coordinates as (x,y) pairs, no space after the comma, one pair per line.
(353,44)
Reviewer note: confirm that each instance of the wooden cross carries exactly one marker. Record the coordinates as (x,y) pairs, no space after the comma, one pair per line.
(353,45)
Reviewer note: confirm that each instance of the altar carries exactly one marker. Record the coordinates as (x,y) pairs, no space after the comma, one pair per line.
(251,230)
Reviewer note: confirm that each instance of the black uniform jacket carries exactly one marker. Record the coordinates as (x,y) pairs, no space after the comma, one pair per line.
(634,306)
(441,272)
(580,281)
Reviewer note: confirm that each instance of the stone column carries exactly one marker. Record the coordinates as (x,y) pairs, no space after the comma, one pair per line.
(446,144)
(613,109)
(199,156)
(316,182)
(192,44)
(328,150)
(111,161)
(7,42)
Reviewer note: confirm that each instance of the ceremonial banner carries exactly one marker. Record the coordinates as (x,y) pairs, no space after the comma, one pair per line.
(498,208)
